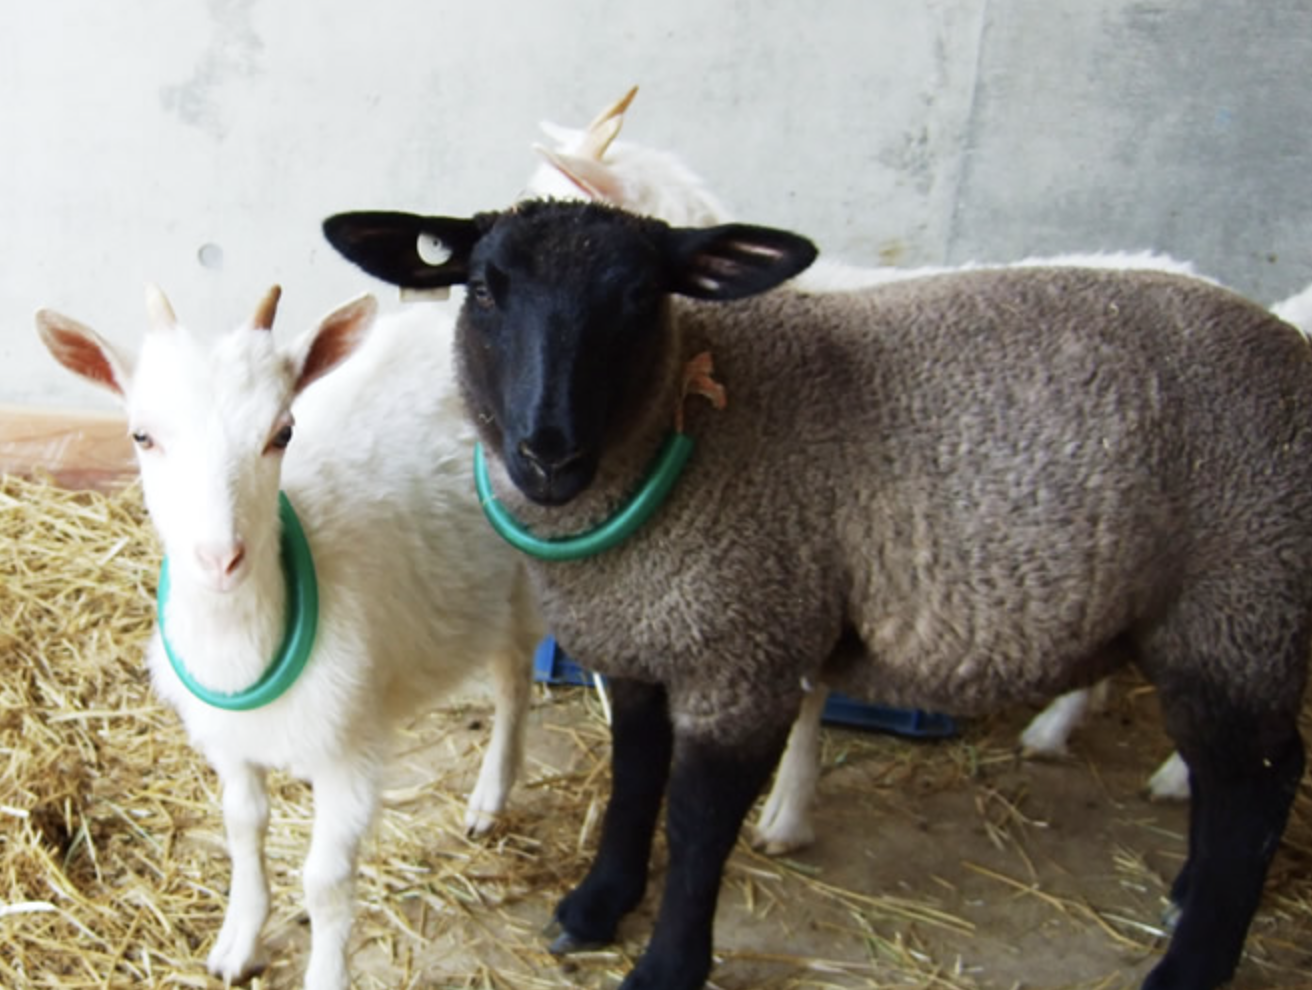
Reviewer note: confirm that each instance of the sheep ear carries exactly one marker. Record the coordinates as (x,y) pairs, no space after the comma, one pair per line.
(594,179)
(336,338)
(405,249)
(84,352)
(734,260)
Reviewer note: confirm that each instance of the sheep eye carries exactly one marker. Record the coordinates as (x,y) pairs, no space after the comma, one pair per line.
(142,440)
(282,438)
(481,294)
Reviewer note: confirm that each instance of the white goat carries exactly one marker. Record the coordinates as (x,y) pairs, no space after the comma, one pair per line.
(1297,309)
(590,163)
(415,592)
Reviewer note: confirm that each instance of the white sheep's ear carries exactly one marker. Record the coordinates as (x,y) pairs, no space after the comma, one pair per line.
(267,309)
(336,338)
(594,179)
(159,311)
(84,352)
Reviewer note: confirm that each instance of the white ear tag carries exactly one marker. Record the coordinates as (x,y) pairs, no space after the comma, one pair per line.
(433,252)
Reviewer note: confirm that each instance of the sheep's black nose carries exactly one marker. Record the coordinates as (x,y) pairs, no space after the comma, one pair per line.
(549,451)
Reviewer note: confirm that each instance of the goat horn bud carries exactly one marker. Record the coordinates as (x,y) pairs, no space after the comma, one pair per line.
(268,308)
(158,309)
(606,127)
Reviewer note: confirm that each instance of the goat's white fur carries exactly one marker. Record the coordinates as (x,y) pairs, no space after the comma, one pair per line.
(416,592)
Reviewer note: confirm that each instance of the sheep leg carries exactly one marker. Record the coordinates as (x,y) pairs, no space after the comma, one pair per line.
(642,740)
(785,822)
(237,953)
(1242,798)
(512,677)
(345,800)
(712,787)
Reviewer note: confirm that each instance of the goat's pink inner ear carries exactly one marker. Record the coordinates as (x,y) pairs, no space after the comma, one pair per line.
(337,338)
(79,350)
(594,179)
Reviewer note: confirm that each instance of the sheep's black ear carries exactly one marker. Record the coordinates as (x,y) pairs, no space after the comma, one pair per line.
(405,249)
(733,261)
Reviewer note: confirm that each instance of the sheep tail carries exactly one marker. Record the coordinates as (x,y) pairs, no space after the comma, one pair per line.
(697,380)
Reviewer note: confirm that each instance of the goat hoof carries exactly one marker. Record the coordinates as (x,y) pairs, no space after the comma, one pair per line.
(564,943)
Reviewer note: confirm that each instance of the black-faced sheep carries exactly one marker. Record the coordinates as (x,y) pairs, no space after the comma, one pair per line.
(951,492)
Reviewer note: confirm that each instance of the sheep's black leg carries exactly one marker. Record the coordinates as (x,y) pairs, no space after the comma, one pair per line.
(711,790)
(1180,888)
(641,744)
(1246,796)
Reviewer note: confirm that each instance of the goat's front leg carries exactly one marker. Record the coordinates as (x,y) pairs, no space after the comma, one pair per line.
(237,953)
(712,787)
(512,680)
(345,798)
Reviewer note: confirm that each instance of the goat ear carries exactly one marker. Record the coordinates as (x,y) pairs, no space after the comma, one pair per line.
(84,352)
(336,338)
(595,179)
(404,249)
(734,260)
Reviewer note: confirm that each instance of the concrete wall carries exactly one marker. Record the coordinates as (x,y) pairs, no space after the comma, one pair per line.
(198,143)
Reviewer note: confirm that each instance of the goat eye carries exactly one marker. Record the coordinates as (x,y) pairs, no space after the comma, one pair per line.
(142,440)
(281,439)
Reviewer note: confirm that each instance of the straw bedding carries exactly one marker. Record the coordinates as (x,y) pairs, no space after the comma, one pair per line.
(948,864)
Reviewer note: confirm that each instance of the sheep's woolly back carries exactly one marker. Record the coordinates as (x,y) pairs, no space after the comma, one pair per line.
(972,501)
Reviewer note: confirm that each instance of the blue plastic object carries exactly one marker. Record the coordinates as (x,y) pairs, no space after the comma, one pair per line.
(551,665)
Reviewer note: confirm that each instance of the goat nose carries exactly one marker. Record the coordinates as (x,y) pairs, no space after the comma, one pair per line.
(221,559)
(548,450)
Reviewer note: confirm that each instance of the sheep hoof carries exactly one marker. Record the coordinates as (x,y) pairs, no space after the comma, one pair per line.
(563,943)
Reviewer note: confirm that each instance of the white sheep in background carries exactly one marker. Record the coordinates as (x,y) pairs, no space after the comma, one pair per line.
(415,592)
(591,163)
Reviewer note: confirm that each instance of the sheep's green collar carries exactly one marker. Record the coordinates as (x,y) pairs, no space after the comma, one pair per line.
(670,462)
(302,620)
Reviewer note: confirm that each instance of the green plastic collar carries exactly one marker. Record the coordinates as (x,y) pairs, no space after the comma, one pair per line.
(670,462)
(302,621)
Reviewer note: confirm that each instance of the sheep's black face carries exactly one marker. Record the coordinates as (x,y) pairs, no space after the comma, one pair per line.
(560,339)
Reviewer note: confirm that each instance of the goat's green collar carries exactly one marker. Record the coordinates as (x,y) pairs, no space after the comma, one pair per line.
(302,621)
(670,462)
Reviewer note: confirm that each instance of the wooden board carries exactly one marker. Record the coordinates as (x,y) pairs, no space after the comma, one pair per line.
(78,447)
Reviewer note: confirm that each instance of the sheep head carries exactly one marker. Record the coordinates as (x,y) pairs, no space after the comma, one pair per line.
(564,331)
